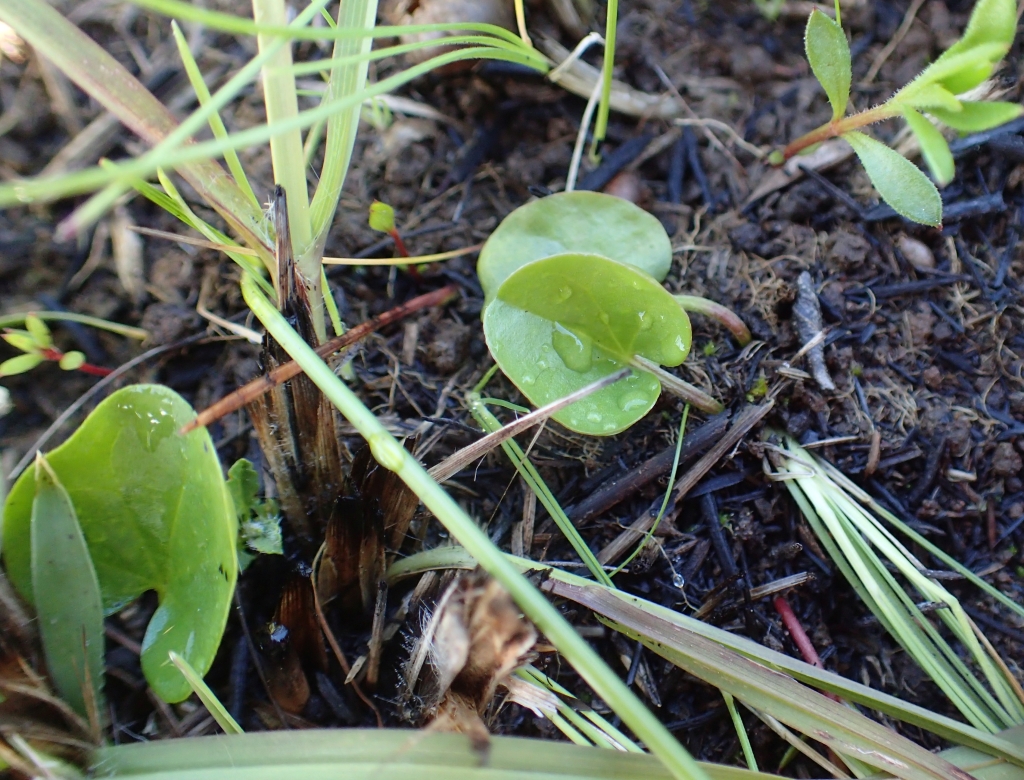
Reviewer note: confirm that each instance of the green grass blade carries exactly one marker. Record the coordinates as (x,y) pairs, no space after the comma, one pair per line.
(206,696)
(741,731)
(945,727)
(195,78)
(393,456)
(607,72)
(67,596)
(346,79)
(18,320)
(102,77)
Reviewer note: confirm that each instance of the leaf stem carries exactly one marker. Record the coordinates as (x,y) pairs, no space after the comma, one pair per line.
(716,311)
(836,128)
(678,387)
(393,456)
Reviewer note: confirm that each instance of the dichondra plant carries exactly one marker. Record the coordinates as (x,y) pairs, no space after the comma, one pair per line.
(939,95)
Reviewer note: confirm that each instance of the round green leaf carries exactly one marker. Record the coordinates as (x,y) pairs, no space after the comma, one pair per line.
(156,515)
(828,53)
(588,222)
(934,148)
(559,324)
(900,183)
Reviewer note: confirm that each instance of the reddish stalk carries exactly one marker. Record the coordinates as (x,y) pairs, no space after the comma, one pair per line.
(86,368)
(833,129)
(800,638)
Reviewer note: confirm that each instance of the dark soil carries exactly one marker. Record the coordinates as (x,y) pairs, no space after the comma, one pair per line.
(925,332)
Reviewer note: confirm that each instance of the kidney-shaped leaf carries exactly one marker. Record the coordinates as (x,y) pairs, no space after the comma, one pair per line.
(900,183)
(156,515)
(828,52)
(561,323)
(589,222)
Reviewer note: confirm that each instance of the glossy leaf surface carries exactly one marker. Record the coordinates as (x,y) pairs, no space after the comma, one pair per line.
(156,515)
(586,222)
(900,183)
(934,148)
(560,323)
(828,53)
(67,593)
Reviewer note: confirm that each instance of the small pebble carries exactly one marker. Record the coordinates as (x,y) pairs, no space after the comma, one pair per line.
(917,253)
(1006,462)
(625,185)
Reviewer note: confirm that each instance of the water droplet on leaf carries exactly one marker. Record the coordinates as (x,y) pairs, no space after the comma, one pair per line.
(633,400)
(564,294)
(576,351)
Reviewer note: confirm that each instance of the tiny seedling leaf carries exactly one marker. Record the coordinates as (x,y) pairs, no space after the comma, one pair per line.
(382,217)
(900,183)
(828,52)
(961,70)
(259,525)
(23,340)
(71,361)
(992,21)
(975,117)
(588,222)
(67,594)
(934,148)
(20,364)
(156,514)
(40,332)
(561,323)
(931,96)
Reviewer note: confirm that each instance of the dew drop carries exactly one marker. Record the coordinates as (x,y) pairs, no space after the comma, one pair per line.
(528,379)
(678,581)
(564,294)
(577,352)
(646,323)
(594,417)
(603,316)
(633,400)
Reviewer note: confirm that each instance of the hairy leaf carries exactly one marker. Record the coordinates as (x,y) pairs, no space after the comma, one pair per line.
(67,593)
(156,514)
(900,183)
(932,96)
(560,323)
(934,148)
(976,116)
(828,52)
(588,222)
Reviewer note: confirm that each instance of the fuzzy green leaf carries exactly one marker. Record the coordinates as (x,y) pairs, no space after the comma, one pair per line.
(156,514)
(20,364)
(934,148)
(561,323)
(900,183)
(580,221)
(828,52)
(931,96)
(67,594)
(975,116)
(992,21)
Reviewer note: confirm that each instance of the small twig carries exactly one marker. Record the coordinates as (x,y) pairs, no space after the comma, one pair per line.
(250,392)
(895,41)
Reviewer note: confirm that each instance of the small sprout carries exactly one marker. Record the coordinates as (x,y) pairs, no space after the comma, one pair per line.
(71,361)
(20,364)
(934,93)
(382,217)
(709,349)
(759,389)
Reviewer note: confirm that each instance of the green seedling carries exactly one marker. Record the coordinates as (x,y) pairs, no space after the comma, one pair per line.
(937,92)
(573,294)
(36,344)
(382,219)
(259,521)
(155,513)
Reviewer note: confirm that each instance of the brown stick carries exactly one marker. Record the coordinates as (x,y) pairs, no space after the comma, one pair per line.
(257,387)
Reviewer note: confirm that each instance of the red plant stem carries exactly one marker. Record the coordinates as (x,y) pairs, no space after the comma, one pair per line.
(86,368)
(399,243)
(800,638)
(836,128)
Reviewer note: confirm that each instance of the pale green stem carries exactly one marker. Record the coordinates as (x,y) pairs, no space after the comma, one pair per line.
(741,731)
(394,457)
(18,320)
(607,68)
(716,311)
(286,152)
(678,387)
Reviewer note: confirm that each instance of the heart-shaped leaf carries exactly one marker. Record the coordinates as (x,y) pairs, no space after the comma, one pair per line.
(156,515)
(974,117)
(560,323)
(934,148)
(67,594)
(828,52)
(900,183)
(588,222)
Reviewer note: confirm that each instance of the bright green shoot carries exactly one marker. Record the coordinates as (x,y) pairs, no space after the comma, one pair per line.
(935,96)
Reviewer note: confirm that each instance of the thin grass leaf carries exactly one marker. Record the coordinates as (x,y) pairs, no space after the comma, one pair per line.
(206,696)
(900,183)
(741,731)
(945,727)
(66,594)
(102,77)
(195,78)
